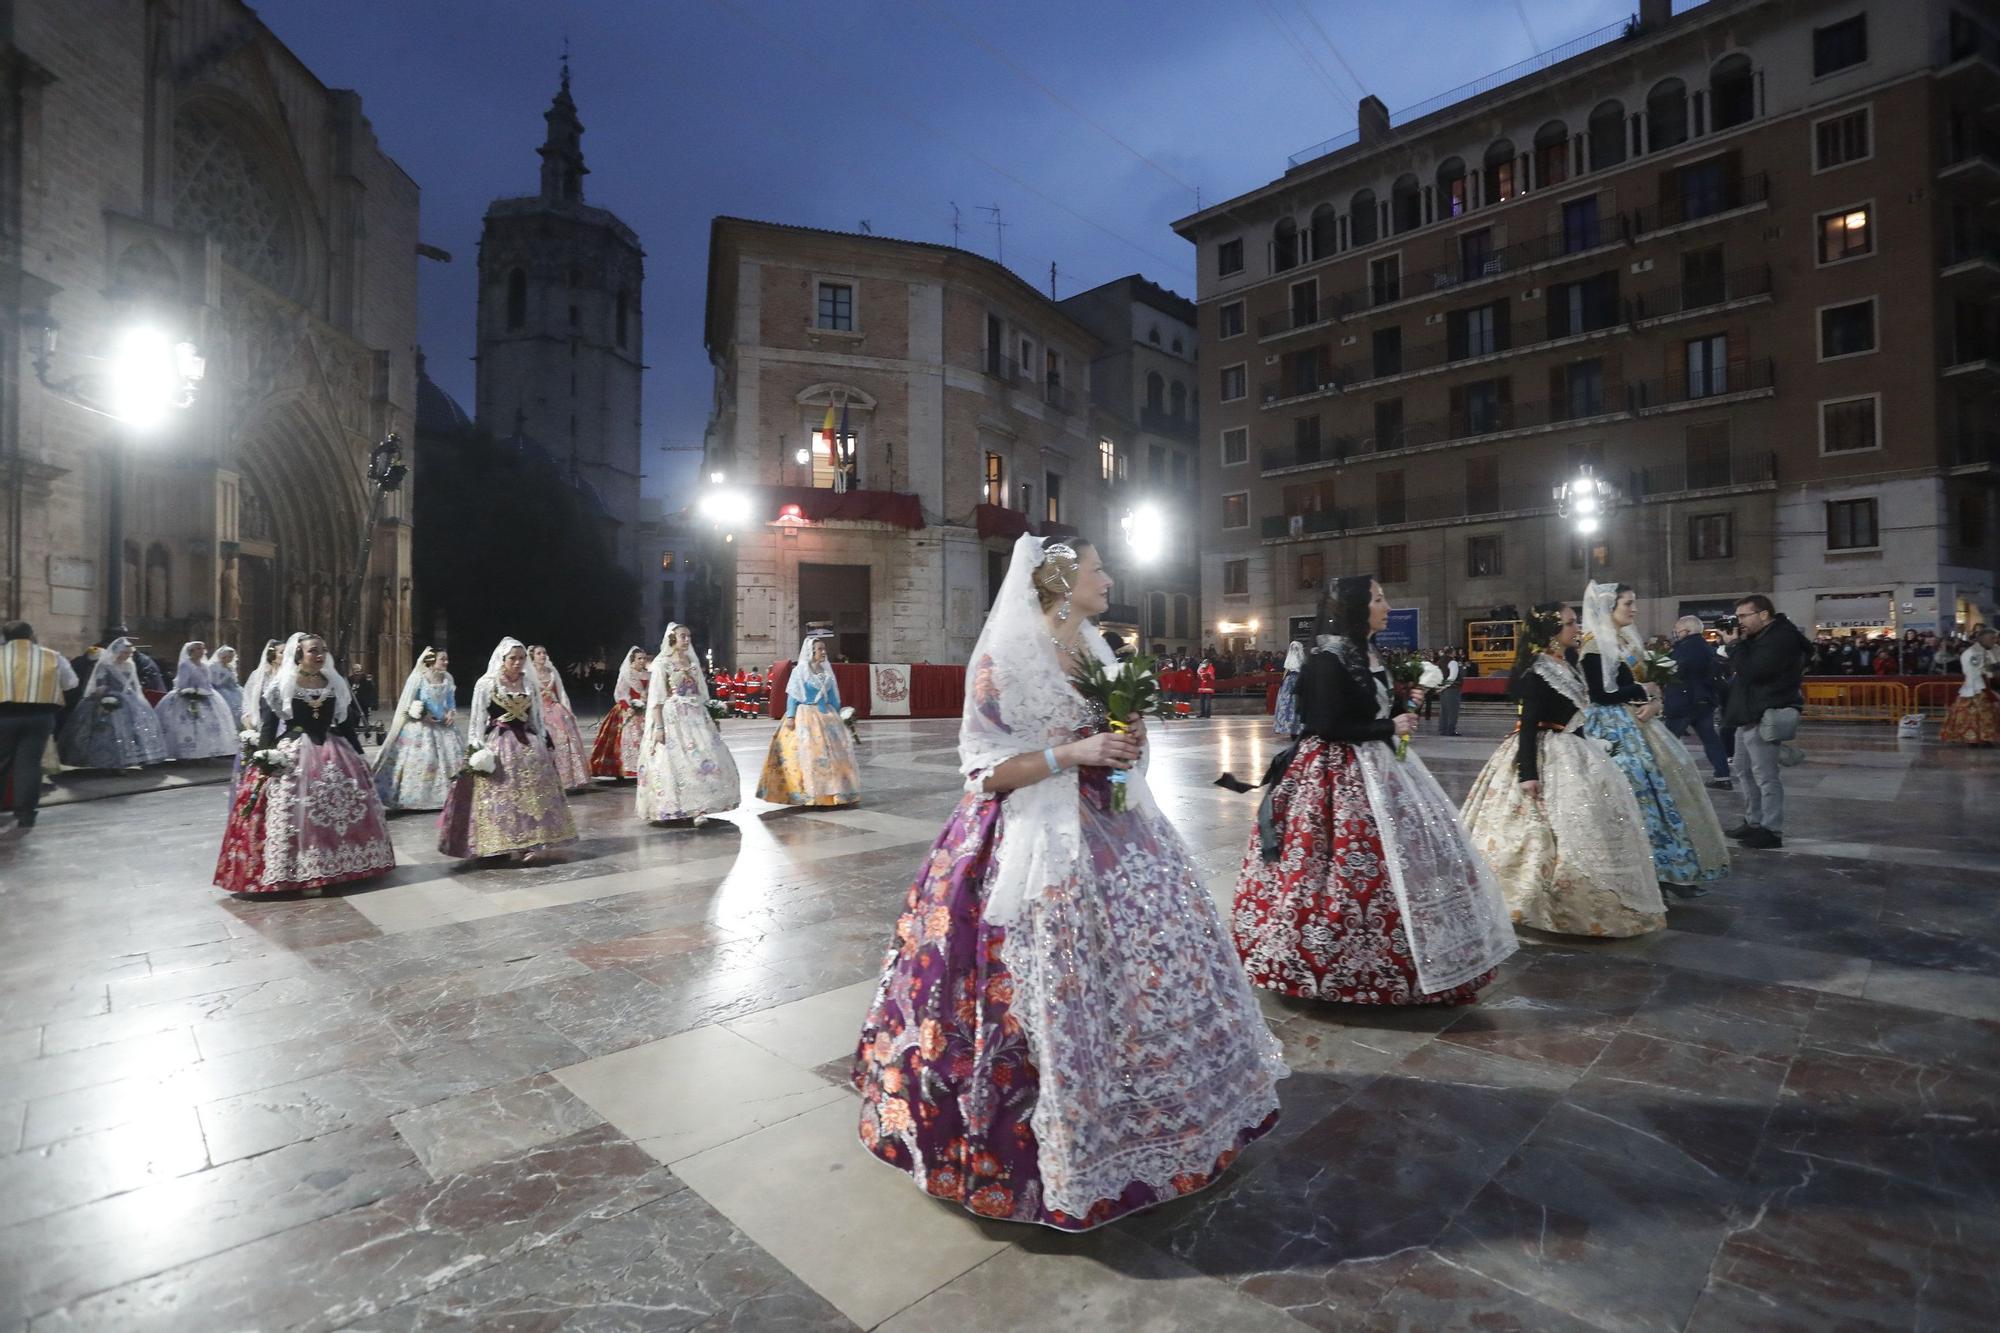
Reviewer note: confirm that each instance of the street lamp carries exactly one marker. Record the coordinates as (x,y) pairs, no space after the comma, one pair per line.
(1585,502)
(1145,530)
(146,379)
(386,470)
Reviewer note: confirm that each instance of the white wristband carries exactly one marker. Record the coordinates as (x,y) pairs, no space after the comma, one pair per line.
(1049,758)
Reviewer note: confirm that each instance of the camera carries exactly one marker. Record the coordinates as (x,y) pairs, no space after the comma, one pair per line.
(1726,624)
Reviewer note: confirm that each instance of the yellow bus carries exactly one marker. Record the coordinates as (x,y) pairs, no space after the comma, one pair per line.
(1491,644)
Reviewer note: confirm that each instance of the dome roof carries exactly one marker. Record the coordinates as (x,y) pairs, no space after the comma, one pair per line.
(438,413)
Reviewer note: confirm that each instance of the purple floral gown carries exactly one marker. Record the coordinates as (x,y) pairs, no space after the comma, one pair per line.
(1122,981)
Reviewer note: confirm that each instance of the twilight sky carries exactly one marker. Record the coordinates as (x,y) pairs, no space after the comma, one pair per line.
(826,114)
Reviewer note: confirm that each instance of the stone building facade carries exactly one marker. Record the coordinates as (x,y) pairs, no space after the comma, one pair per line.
(965,394)
(561,342)
(180,168)
(1738,258)
(1143,384)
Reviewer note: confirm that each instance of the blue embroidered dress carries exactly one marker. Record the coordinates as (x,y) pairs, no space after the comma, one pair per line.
(1686,850)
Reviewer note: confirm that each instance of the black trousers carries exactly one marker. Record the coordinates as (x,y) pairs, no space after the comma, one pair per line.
(23,737)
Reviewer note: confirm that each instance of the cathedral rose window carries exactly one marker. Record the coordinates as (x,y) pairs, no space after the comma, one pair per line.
(224,192)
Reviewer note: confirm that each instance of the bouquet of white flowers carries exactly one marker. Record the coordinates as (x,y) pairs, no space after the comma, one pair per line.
(480,761)
(847,719)
(110,703)
(270,762)
(718,709)
(1658,669)
(249,740)
(416,710)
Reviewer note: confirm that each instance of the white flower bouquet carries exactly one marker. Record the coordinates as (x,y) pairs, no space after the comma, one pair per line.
(847,720)
(270,762)
(416,713)
(110,703)
(718,709)
(480,761)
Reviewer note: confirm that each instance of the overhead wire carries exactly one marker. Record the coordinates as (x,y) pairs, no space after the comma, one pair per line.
(1178,265)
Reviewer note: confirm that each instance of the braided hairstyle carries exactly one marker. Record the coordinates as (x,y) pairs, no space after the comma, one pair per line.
(1538,630)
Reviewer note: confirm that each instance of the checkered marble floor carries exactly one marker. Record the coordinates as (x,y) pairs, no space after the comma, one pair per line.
(608,1092)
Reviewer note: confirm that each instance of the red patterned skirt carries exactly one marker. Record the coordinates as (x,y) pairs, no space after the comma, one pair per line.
(1974,721)
(1321,922)
(615,753)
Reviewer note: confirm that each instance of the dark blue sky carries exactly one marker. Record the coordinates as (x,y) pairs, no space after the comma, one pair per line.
(825,114)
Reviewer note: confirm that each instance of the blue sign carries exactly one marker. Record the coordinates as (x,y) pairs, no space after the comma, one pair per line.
(1404,632)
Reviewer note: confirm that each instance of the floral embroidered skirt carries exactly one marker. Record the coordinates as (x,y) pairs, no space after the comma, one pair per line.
(518,807)
(1322,921)
(687,771)
(1681,826)
(127,736)
(416,774)
(812,762)
(1577,861)
(317,823)
(1285,718)
(1974,721)
(1100,1056)
(615,754)
(572,759)
(200,727)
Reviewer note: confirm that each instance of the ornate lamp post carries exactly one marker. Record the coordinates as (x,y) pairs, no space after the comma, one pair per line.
(1585,502)
(386,470)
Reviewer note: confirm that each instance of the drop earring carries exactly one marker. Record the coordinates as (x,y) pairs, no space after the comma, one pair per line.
(1062,612)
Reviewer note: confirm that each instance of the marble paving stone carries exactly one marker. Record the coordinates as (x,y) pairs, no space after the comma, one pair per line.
(688,1093)
(475,1128)
(810,1032)
(758,1181)
(1104,1280)
(76,1171)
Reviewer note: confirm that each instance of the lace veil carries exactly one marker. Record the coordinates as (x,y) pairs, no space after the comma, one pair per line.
(550,679)
(411,684)
(1611,644)
(489,685)
(282,685)
(801,672)
(253,688)
(190,674)
(661,688)
(1295,656)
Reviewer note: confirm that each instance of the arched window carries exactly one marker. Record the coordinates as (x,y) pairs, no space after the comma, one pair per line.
(1452,200)
(517,299)
(1179,399)
(1284,245)
(1666,115)
(1502,171)
(1153,335)
(1551,154)
(1182,627)
(1178,345)
(624,316)
(1156,391)
(1406,204)
(1607,135)
(1324,234)
(1156,615)
(1732,92)
(1361,225)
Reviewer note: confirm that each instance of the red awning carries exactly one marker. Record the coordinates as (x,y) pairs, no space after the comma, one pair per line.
(814,504)
(998,521)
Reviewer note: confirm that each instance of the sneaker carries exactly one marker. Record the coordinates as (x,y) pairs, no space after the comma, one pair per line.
(1739,832)
(1762,839)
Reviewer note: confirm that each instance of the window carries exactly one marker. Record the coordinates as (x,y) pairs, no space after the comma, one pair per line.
(1305,303)
(1156,391)
(1235,578)
(1388,423)
(1053,369)
(1551,155)
(1388,347)
(666,562)
(1582,389)
(1846,233)
(1180,470)
(996,342)
(1361,220)
(1156,462)
(1229,320)
(1711,536)
(1843,139)
(1501,172)
(1453,199)
(1052,486)
(996,485)
(1156,614)
(1847,330)
(1236,509)
(1970,529)
(1406,204)
(1177,400)
(1580,230)
(1607,135)
(1308,497)
(1153,335)
(1027,505)
(1702,281)
(1392,563)
(624,317)
(1666,115)
(1707,361)
(1482,485)
(1480,331)
(1480,407)
(1840,45)
(1583,307)
(1229,257)
(1312,570)
(1849,425)
(1389,496)
(1235,446)
(1025,367)
(1235,380)
(1177,344)
(1385,279)
(517,299)
(1183,617)
(1599,552)
(1732,92)
(1107,460)
(1851,525)
(1475,254)
(996,574)
(1707,455)
(1284,245)
(1298,372)
(836,306)
(1482,557)
(1703,189)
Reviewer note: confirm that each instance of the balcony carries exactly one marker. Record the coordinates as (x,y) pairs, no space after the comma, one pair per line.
(1969,58)
(1316,524)
(1158,421)
(1699,203)
(1535,333)
(1297,456)
(1120,613)
(1731,382)
(1973,450)
(1058,397)
(1721,472)
(1972,161)
(1972,263)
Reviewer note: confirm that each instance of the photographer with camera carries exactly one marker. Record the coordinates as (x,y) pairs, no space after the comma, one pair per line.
(1761,709)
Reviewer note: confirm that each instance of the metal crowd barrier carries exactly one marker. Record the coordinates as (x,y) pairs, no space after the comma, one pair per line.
(1856,701)
(1934,698)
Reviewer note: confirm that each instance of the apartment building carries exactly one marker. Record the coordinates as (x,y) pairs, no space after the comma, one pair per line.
(1741,261)
(889,417)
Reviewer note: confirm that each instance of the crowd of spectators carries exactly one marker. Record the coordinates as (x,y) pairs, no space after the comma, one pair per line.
(1922,653)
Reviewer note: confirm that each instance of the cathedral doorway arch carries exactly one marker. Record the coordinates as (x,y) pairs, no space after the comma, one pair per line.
(297,514)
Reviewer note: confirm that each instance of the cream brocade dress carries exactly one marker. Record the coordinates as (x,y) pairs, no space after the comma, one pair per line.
(1578,861)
